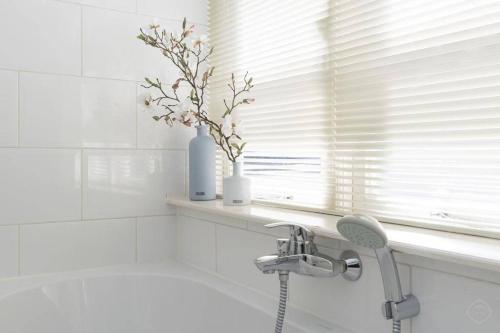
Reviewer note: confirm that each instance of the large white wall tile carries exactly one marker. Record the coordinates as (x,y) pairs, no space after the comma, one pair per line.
(125,5)
(156,238)
(74,245)
(40,35)
(8,108)
(450,303)
(196,243)
(39,185)
(236,251)
(193,10)
(125,183)
(9,255)
(68,111)
(109,113)
(128,58)
(50,110)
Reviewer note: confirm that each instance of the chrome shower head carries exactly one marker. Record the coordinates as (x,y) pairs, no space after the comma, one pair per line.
(363,230)
(366,231)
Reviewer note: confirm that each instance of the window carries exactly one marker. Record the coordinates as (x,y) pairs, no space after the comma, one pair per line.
(390,108)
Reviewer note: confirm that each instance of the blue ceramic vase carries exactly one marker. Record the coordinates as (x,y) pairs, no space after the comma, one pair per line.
(202,166)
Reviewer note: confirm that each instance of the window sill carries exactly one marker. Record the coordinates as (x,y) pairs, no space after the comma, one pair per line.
(468,250)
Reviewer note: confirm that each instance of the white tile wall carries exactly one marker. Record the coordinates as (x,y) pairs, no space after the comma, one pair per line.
(450,303)
(236,251)
(41,36)
(196,242)
(108,114)
(124,5)
(101,60)
(8,109)
(9,255)
(82,168)
(73,245)
(69,111)
(156,238)
(39,185)
(122,183)
(195,10)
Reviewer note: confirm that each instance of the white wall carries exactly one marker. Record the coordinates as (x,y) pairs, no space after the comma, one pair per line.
(454,298)
(83,170)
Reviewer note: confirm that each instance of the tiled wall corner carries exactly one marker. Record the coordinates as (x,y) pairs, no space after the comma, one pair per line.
(85,171)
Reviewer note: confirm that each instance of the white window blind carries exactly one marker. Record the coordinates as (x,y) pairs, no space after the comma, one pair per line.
(289,129)
(390,108)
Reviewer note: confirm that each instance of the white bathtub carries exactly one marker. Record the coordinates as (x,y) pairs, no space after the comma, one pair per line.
(162,298)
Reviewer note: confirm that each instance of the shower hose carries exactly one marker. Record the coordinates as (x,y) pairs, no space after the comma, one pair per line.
(283,276)
(396,326)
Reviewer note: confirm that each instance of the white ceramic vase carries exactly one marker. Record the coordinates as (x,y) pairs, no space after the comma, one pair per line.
(237,188)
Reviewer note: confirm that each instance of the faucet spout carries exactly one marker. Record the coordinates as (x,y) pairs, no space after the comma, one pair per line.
(303,264)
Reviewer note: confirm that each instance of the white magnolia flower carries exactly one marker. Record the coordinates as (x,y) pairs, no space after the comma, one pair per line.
(188,118)
(227,126)
(200,41)
(146,100)
(238,129)
(150,27)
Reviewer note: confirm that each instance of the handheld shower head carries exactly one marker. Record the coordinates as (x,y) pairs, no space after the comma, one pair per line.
(366,231)
(363,230)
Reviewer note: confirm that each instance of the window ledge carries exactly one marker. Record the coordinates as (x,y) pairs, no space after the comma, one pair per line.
(469,250)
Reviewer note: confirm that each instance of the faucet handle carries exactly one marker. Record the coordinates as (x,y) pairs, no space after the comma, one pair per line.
(296,229)
(301,239)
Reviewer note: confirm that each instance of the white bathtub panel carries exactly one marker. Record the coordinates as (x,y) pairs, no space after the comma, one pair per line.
(48,32)
(125,183)
(40,185)
(450,303)
(156,238)
(8,108)
(74,245)
(196,242)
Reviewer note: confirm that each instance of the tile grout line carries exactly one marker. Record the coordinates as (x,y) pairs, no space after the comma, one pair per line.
(82,174)
(18,109)
(130,12)
(81,41)
(96,148)
(136,117)
(136,239)
(19,250)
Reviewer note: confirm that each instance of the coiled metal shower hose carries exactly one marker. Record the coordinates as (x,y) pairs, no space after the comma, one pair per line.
(396,326)
(280,318)
(283,276)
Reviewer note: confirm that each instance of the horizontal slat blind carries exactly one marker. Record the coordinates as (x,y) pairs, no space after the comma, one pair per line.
(417,106)
(388,107)
(285,47)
